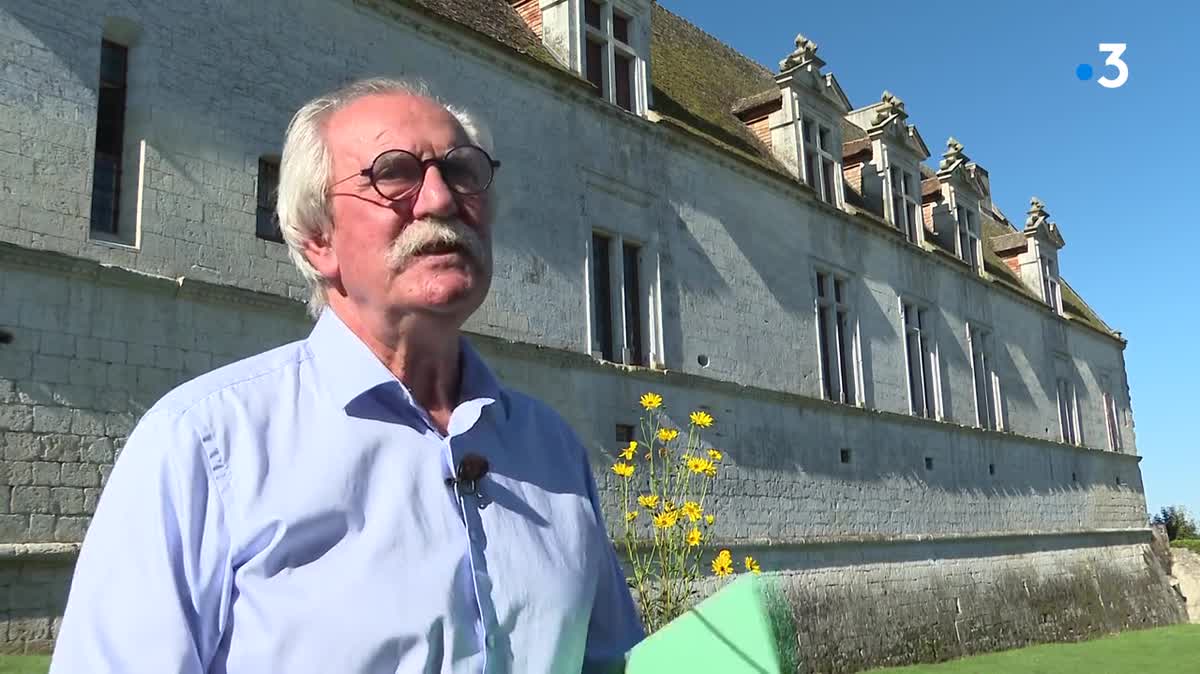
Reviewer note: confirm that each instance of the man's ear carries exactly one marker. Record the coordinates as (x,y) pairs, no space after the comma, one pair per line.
(321,255)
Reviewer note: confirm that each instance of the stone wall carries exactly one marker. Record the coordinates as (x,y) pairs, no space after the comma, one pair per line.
(946,601)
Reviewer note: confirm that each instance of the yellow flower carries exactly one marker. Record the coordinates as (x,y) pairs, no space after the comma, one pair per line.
(752,565)
(623,469)
(701,419)
(723,564)
(631,515)
(627,453)
(648,501)
(702,466)
(725,554)
(666,519)
(709,519)
(651,401)
(694,537)
(668,506)
(692,510)
(715,454)
(667,434)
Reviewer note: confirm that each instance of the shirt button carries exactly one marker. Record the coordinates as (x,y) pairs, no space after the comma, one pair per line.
(491,641)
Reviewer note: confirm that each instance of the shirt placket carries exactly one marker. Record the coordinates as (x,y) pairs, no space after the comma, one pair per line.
(469,509)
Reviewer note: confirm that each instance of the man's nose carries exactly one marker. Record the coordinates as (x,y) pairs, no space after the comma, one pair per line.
(435,198)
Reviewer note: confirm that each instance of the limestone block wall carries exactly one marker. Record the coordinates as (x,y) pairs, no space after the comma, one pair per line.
(948,601)
(732,248)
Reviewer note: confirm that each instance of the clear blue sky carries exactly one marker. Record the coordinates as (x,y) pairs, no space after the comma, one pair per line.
(1117,168)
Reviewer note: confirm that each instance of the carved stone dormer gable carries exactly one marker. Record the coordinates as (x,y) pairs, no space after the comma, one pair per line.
(893,187)
(1039,225)
(606,42)
(1033,254)
(806,130)
(965,195)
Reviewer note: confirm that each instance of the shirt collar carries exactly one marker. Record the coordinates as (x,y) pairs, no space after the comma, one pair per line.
(349,369)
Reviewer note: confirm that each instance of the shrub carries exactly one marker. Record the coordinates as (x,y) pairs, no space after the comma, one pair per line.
(1177,521)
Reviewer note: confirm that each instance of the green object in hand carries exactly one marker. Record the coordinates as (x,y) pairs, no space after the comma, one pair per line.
(738,630)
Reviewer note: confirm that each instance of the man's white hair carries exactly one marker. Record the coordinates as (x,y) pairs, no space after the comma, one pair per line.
(306,166)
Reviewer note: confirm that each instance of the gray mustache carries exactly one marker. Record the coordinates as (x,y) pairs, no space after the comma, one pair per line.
(428,234)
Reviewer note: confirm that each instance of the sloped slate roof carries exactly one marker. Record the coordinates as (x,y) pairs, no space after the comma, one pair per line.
(699,84)
(698,80)
(494,18)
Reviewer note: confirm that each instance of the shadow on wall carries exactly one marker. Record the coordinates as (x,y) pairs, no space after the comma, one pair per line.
(36,594)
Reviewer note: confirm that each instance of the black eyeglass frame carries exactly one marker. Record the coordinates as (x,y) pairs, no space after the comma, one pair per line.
(369,172)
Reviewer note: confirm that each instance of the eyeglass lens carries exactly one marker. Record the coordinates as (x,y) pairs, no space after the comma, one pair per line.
(466,169)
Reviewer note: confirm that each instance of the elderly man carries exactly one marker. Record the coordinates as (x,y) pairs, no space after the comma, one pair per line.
(369,499)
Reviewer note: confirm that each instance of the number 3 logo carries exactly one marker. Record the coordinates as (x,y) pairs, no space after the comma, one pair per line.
(1114,49)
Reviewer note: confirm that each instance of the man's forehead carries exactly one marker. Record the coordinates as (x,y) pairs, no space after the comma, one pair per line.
(396,118)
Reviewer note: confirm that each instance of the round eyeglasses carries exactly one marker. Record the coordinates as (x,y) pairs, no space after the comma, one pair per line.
(396,174)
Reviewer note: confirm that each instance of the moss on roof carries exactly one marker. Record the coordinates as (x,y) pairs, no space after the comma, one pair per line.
(697,80)
(493,18)
(1073,305)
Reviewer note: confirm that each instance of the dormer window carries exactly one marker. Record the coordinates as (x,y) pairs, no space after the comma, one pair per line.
(610,61)
(1051,286)
(904,211)
(893,188)
(821,167)
(968,236)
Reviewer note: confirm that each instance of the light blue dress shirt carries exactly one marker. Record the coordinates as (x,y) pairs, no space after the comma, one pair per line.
(290,513)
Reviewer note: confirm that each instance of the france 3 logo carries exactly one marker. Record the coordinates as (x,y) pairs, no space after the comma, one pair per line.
(1114,50)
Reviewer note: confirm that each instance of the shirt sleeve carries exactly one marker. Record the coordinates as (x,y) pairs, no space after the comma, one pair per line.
(153,575)
(614,627)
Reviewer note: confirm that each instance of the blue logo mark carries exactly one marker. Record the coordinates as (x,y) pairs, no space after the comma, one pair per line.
(1084,72)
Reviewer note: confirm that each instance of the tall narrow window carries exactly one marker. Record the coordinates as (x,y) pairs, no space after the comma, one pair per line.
(266,224)
(921,357)
(836,340)
(987,408)
(594,66)
(1068,415)
(904,203)
(1110,416)
(633,304)
(1051,290)
(623,70)
(602,318)
(110,137)
(821,170)
(968,236)
(609,60)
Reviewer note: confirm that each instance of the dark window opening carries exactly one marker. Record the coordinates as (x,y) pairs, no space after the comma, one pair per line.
(845,456)
(591,13)
(624,73)
(621,28)
(266,224)
(594,66)
(633,305)
(929,463)
(624,433)
(601,298)
(110,137)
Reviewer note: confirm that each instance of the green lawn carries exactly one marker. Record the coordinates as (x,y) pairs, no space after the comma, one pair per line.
(1165,650)
(24,664)
(1192,544)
